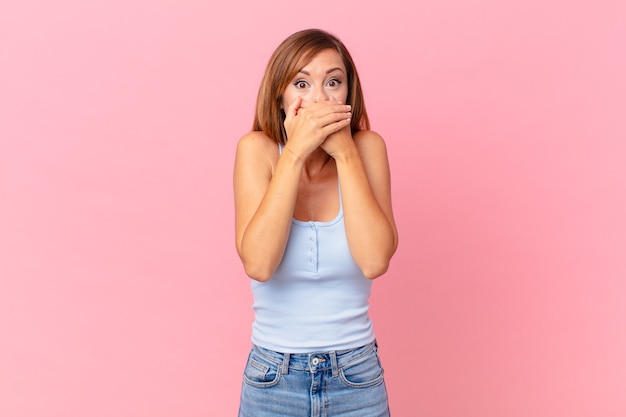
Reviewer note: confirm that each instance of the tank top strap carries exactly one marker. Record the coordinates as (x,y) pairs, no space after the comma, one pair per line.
(340,199)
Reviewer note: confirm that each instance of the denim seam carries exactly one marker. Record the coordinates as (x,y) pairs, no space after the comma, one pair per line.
(355,360)
(379,379)
(358,359)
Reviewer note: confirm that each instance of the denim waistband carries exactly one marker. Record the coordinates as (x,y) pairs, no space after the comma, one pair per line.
(316,361)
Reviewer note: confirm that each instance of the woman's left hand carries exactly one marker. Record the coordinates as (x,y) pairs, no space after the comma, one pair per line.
(339,142)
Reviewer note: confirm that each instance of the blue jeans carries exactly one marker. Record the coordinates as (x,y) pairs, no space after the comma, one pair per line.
(320,384)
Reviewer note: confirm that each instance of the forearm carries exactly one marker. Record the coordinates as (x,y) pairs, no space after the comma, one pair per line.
(265,236)
(371,234)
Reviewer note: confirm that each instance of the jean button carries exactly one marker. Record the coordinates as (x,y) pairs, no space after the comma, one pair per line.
(315,361)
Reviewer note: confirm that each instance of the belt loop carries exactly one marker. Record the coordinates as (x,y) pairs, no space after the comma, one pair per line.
(333,363)
(285,366)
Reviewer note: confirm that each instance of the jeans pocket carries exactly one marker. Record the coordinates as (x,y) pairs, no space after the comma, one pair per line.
(261,373)
(363,373)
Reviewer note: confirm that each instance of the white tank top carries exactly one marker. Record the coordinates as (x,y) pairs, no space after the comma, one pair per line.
(317,299)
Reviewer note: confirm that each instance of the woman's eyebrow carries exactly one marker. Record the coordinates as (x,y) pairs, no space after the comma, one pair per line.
(327,72)
(334,69)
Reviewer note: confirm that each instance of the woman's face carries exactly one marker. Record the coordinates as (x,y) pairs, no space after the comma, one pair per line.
(322,79)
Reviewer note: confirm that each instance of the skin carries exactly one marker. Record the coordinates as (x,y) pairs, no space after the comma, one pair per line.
(272,188)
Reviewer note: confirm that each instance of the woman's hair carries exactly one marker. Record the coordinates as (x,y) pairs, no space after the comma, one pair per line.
(288,59)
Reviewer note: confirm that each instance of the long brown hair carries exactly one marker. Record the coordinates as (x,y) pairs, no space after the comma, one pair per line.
(291,56)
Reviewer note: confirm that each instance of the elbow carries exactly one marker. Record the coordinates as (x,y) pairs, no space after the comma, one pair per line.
(377,262)
(259,277)
(258,269)
(258,273)
(374,270)
(377,265)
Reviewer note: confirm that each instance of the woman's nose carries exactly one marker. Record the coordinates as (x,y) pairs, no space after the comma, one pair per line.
(321,95)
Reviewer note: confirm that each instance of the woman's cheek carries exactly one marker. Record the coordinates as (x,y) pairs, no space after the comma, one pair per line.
(343,97)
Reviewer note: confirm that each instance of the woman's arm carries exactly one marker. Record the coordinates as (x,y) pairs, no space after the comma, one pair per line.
(264,202)
(363,170)
(265,192)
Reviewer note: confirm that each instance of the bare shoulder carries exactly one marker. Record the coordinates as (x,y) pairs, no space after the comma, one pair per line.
(256,141)
(370,144)
(257,149)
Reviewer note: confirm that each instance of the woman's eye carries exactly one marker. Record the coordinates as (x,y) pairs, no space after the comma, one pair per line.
(333,83)
(300,84)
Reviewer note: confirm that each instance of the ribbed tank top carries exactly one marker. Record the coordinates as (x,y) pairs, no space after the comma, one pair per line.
(317,299)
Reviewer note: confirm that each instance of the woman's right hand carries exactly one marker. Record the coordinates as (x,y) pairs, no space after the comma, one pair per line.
(308,126)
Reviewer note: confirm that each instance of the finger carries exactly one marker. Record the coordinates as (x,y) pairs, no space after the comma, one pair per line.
(333,117)
(293,108)
(332,104)
(334,127)
(326,117)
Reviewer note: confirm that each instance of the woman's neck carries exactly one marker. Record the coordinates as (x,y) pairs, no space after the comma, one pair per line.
(316,162)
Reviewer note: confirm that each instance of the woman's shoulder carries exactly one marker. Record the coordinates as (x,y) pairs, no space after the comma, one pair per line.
(257,151)
(257,142)
(258,139)
(368,139)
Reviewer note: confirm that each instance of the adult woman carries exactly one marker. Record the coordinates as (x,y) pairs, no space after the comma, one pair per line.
(314,226)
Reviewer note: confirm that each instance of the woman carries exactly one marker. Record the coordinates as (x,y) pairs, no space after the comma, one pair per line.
(314,227)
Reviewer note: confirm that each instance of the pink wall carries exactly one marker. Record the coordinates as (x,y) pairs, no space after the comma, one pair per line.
(120,290)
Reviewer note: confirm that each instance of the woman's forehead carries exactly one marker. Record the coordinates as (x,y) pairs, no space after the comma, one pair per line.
(325,58)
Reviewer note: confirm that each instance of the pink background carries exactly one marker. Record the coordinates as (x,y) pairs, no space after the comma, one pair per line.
(121,293)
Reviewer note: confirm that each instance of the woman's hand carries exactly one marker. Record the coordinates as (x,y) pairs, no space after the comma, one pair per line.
(307,127)
(339,143)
